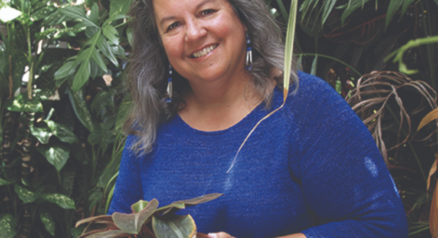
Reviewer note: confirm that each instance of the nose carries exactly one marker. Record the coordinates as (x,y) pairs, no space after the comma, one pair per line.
(194,30)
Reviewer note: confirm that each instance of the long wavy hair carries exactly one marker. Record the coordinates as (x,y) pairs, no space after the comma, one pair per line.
(148,67)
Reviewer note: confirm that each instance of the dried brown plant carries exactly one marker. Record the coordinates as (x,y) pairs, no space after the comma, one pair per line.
(369,99)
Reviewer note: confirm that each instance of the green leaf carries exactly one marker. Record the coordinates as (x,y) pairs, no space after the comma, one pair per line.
(77,99)
(5,182)
(351,7)
(394,5)
(178,205)
(21,103)
(328,8)
(132,223)
(95,56)
(77,13)
(98,219)
(56,155)
(119,7)
(94,14)
(138,206)
(174,226)
(110,32)
(25,195)
(43,12)
(436,1)
(62,132)
(314,65)
(106,50)
(42,134)
(124,109)
(68,179)
(59,199)
(54,19)
(48,221)
(81,76)
(7,225)
(406,4)
(8,14)
(66,70)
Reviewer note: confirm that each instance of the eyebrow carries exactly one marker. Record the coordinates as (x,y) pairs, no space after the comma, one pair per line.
(173,17)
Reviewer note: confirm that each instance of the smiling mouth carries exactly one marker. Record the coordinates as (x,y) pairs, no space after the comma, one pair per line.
(204,51)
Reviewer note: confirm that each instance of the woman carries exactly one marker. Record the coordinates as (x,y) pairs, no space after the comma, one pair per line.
(309,170)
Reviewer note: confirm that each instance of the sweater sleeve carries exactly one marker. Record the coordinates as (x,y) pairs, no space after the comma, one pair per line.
(344,179)
(128,188)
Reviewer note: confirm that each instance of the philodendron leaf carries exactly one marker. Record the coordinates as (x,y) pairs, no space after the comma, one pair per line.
(21,103)
(132,223)
(48,221)
(138,206)
(7,226)
(62,132)
(25,195)
(5,182)
(174,226)
(97,219)
(42,134)
(56,155)
(79,103)
(178,205)
(59,199)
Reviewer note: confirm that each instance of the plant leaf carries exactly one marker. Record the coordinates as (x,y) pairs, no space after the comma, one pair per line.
(174,226)
(394,5)
(314,65)
(82,75)
(94,14)
(21,103)
(119,7)
(8,14)
(43,12)
(7,225)
(48,221)
(352,6)
(106,50)
(97,219)
(62,132)
(187,203)
(25,195)
(110,32)
(77,13)
(66,70)
(95,56)
(42,134)
(77,99)
(56,155)
(433,218)
(138,206)
(5,182)
(59,199)
(108,234)
(431,172)
(433,115)
(132,223)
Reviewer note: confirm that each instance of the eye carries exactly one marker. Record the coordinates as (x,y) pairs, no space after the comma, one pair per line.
(173,25)
(207,12)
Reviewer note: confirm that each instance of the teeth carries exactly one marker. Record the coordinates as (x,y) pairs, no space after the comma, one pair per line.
(204,51)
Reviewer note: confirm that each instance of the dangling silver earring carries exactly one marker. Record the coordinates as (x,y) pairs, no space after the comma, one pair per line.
(248,65)
(168,96)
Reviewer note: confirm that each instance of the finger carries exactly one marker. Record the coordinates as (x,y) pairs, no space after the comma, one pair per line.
(219,235)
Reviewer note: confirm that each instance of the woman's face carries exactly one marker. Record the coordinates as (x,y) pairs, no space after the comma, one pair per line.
(204,39)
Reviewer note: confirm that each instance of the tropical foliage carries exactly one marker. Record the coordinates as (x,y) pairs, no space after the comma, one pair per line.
(62,100)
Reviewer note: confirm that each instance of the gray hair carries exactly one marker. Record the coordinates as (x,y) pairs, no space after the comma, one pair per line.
(148,67)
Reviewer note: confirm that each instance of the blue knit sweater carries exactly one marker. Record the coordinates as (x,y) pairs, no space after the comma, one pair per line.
(311,167)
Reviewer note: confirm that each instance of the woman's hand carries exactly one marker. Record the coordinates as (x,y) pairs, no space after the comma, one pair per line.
(225,235)
(219,235)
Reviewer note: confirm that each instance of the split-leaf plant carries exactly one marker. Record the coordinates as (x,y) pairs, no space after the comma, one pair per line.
(147,221)
(57,136)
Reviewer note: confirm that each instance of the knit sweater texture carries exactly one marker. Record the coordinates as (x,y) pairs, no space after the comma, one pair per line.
(311,167)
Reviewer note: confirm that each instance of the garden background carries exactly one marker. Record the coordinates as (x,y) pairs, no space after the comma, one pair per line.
(63,101)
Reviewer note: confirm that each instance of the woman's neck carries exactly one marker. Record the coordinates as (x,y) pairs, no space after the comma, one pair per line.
(214,106)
